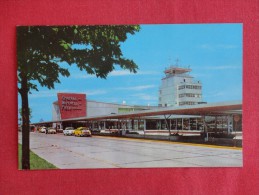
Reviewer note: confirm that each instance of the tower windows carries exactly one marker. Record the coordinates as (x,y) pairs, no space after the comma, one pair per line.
(189,95)
(189,87)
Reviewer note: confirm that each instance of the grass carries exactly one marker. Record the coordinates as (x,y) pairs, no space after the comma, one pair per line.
(36,162)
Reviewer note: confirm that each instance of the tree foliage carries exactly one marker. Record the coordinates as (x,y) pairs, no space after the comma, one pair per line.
(41,49)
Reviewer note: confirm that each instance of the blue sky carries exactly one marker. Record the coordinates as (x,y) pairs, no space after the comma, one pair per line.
(213,52)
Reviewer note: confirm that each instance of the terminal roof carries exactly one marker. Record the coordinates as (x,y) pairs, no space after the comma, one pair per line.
(211,109)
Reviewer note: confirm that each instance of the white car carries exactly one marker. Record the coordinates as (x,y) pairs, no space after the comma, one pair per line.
(43,129)
(69,131)
(51,131)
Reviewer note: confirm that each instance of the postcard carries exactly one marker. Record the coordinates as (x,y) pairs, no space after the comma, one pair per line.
(130,96)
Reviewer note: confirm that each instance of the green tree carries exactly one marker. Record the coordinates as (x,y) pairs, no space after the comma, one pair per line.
(40,50)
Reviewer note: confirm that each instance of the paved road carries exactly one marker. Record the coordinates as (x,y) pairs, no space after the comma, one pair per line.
(69,152)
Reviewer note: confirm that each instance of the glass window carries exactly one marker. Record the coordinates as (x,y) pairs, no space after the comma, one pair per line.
(179,124)
(173,124)
(193,123)
(186,124)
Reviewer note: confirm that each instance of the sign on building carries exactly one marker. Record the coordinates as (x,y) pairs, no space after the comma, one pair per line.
(72,105)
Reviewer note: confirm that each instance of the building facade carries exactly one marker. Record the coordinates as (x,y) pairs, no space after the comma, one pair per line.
(184,124)
(94,108)
(178,88)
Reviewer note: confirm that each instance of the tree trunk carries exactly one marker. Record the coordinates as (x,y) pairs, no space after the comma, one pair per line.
(25,124)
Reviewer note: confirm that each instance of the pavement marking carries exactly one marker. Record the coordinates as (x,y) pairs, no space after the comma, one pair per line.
(171,142)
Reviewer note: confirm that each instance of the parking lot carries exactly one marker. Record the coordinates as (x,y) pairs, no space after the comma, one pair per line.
(69,152)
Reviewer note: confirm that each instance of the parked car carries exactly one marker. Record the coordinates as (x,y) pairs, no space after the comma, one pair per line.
(59,130)
(51,131)
(83,131)
(43,129)
(69,131)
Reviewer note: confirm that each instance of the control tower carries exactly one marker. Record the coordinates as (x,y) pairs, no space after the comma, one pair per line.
(178,88)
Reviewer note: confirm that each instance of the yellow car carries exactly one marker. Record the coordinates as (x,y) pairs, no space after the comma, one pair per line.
(82,131)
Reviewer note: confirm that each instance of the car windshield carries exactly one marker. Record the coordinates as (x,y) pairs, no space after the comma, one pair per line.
(69,128)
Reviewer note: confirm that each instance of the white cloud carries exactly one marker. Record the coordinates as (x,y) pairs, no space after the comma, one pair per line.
(224,67)
(53,93)
(215,94)
(136,88)
(205,46)
(143,96)
(128,73)
(82,76)
(95,92)
(120,73)
(148,73)
(43,94)
(197,76)
(114,73)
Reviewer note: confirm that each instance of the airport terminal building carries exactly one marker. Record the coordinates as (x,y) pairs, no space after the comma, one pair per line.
(180,110)
(94,109)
